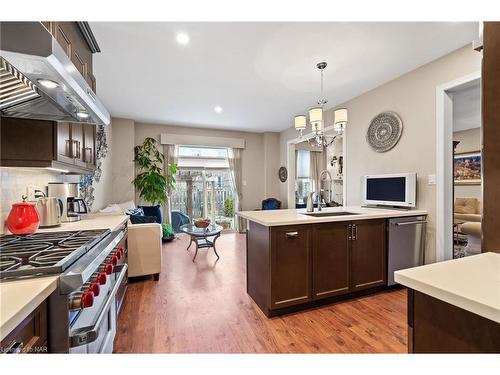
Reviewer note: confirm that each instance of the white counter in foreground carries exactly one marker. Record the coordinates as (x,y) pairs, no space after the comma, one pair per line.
(292,216)
(471,283)
(19,298)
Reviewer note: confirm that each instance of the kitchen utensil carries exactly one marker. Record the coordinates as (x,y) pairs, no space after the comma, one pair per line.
(50,210)
(23,218)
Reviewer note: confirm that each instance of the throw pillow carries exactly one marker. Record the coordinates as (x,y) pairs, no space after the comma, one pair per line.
(153,211)
(140,219)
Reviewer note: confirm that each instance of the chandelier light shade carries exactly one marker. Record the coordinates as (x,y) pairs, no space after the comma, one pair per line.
(319,139)
(316,118)
(340,119)
(300,122)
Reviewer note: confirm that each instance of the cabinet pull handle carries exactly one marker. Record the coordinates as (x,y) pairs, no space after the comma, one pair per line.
(292,234)
(76,147)
(87,154)
(355,232)
(349,232)
(14,347)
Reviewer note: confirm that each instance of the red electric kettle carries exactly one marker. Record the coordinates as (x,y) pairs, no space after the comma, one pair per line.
(23,218)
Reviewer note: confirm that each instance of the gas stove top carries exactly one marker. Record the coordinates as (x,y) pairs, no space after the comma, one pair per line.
(44,253)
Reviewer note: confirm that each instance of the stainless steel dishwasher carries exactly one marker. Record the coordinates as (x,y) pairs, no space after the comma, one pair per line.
(406,244)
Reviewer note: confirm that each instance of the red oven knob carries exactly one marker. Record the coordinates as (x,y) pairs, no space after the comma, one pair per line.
(112,259)
(99,277)
(87,299)
(81,300)
(106,268)
(118,253)
(92,287)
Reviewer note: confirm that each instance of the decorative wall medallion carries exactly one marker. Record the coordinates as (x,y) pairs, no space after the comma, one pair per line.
(86,181)
(283,174)
(384,131)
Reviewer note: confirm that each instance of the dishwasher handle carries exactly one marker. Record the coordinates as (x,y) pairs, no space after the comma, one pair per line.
(410,222)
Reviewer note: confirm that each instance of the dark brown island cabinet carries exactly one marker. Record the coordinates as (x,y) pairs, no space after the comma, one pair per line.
(49,144)
(435,326)
(298,266)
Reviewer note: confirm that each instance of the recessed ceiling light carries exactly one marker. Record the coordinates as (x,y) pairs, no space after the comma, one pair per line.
(182,38)
(218,109)
(48,83)
(82,114)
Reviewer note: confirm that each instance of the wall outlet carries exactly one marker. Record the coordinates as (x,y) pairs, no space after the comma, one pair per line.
(432,179)
(30,192)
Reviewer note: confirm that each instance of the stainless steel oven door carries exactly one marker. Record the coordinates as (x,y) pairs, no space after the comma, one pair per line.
(95,332)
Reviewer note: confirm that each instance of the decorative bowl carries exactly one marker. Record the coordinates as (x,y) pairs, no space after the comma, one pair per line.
(202,223)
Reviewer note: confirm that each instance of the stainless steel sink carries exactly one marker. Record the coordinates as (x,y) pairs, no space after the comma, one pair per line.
(337,213)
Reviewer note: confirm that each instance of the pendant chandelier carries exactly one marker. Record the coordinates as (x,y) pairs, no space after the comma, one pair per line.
(316,119)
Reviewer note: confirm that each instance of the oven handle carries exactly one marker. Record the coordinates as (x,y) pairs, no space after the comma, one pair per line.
(85,335)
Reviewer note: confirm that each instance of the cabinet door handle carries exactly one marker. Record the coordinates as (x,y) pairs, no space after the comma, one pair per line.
(87,154)
(355,232)
(291,234)
(77,152)
(14,347)
(349,232)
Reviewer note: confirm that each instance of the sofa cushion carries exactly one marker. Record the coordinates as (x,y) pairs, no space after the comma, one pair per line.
(466,206)
(141,219)
(152,211)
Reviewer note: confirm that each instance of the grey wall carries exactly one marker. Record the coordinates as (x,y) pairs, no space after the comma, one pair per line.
(260,158)
(122,161)
(413,97)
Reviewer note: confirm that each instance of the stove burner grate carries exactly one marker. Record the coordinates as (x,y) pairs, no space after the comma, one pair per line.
(44,253)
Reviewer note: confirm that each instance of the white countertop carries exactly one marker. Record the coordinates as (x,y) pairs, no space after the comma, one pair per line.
(296,216)
(471,283)
(19,298)
(90,222)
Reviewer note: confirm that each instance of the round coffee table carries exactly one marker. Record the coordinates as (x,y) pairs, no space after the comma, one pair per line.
(202,237)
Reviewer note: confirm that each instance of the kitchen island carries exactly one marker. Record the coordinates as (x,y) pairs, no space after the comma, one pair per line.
(296,260)
(454,306)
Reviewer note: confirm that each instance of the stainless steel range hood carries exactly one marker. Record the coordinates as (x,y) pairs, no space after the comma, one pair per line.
(30,55)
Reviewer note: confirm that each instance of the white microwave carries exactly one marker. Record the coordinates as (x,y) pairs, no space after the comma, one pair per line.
(397,190)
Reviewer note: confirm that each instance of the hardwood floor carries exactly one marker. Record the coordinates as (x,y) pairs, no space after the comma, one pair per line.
(203,307)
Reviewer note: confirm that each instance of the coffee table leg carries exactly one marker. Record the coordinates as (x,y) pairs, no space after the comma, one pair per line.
(213,245)
(190,242)
(196,252)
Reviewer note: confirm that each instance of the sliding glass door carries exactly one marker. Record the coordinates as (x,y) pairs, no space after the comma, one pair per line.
(204,186)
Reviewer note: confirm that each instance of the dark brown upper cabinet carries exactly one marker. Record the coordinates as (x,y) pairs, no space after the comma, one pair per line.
(72,41)
(36,143)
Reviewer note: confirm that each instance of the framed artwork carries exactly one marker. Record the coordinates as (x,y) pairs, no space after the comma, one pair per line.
(467,168)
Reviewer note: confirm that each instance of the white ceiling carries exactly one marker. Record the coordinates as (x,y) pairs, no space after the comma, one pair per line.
(261,74)
(467,108)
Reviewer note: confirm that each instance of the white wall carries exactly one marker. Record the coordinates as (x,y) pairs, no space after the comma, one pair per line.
(413,97)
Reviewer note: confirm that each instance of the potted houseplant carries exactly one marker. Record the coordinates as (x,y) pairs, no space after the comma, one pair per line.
(154,186)
(167,232)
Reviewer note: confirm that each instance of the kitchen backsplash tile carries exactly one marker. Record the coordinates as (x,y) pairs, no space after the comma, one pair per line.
(13,185)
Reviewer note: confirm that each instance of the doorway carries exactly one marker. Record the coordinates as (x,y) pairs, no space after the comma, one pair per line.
(458,177)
